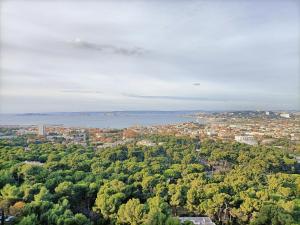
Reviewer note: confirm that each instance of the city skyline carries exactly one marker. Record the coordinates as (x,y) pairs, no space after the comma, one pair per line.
(141,55)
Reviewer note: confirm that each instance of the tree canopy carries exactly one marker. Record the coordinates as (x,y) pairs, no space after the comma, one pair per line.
(231,183)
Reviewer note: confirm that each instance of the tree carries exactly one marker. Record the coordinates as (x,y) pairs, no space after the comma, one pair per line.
(134,185)
(155,218)
(61,214)
(177,196)
(81,219)
(5,178)
(272,215)
(43,195)
(157,204)
(10,192)
(17,209)
(195,196)
(33,173)
(109,198)
(132,212)
(158,211)
(172,221)
(148,184)
(65,189)
(29,191)
(29,220)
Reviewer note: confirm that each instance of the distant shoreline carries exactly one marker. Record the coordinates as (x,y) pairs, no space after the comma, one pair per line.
(148,111)
(110,120)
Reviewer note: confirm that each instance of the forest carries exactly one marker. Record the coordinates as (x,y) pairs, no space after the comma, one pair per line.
(232,183)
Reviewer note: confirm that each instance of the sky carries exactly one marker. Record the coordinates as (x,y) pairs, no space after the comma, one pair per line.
(63,56)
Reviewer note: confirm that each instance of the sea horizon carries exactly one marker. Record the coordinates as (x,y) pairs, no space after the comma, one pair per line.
(152,111)
(109,119)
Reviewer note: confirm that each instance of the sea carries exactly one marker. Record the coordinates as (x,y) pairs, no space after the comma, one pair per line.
(120,119)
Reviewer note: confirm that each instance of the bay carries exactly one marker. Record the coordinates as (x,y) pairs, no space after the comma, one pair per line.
(116,119)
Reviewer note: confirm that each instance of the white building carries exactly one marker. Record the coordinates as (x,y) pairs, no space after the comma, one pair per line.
(146,143)
(34,163)
(41,130)
(250,140)
(285,115)
(197,220)
(211,133)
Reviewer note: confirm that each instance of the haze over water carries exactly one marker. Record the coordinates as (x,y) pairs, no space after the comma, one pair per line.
(98,119)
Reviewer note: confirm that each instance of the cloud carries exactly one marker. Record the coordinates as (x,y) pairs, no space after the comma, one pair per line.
(108,48)
(80,91)
(182,98)
(242,97)
(169,54)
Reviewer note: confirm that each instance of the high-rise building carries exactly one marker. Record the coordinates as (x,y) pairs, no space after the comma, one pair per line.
(42,130)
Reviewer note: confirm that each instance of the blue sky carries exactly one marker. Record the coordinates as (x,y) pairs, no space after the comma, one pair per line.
(149,55)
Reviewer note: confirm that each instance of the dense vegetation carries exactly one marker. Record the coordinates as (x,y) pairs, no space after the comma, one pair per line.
(231,183)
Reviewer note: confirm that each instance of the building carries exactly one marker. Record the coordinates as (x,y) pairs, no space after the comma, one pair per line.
(211,133)
(295,136)
(197,220)
(285,115)
(267,141)
(34,163)
(41,130)
(250,140)
(146,143)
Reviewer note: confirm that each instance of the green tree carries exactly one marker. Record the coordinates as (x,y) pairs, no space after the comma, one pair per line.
(43,195)
(65,189)
(10,192)
(177,196)
(172,221)
(132,212)
(29,220)
(272,215)
(109,198)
